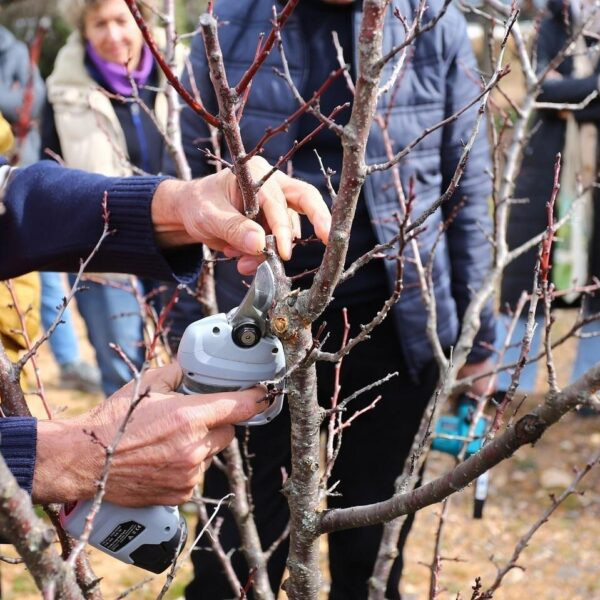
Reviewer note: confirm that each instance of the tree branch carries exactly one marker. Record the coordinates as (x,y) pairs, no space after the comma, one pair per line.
(526,430)
(195,104)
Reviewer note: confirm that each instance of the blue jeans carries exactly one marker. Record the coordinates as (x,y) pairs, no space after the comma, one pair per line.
(111,315)
(63,342)
(588,350)
(586,356)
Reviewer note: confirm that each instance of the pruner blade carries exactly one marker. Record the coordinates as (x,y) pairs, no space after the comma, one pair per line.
(249,319)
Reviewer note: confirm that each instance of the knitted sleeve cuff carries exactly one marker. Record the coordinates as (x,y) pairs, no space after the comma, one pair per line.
(129,205)
(18,438)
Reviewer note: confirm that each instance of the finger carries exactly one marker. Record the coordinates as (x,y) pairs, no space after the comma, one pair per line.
(239,232)
(306,199)
(274,206)
(212,442)
(228,408)
(217,440)
(227,226)
(230,252)
(295,223)
(247,265)
(163,379)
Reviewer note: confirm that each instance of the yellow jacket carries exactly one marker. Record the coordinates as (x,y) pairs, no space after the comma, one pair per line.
(27,292)
(6,135)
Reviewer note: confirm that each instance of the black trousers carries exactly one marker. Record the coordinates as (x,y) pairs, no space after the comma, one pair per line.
(373,451)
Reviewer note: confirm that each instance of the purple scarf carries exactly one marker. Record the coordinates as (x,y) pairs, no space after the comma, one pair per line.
(115,75)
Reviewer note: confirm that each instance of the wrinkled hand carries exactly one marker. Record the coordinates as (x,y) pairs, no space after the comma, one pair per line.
(167,445)
(209,210)
(482,385)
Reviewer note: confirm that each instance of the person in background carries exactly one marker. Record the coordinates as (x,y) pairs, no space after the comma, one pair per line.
(22,96)
(434,84)
(92,123)
(573,80)
(19,80)
(75,373)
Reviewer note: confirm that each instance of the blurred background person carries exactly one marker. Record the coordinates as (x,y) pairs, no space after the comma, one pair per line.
(21,101)
(573,133)
(93,122)
(21,98)
(75,373)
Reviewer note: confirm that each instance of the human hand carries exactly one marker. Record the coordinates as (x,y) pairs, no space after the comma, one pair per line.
(167,445)
(209,210)
(553,74)
(482,385)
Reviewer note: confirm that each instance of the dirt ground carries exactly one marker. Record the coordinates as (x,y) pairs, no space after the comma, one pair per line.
(560,563)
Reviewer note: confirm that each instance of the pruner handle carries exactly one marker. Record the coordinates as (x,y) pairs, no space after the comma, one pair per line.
(189,386)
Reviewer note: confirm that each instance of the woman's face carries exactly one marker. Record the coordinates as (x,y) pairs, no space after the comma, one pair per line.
(113,33)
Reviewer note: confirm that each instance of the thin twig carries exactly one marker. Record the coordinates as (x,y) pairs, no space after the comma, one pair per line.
(524,541)
(179,559)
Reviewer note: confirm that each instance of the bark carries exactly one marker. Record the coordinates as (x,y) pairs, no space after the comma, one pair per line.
(173,133)
(293,316)
(86,578)
(227,99)
(33,540)
(242,512)
(11,394)
(302,488)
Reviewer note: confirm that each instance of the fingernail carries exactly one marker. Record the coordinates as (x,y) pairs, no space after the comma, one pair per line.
(325,230)
(253,242)
(286,250)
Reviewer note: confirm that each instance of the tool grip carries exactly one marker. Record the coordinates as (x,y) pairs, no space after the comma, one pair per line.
(149,537)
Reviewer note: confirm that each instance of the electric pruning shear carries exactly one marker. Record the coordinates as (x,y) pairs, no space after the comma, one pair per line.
(222,352)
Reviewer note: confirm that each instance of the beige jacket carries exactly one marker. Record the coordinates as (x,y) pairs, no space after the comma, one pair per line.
(90,135)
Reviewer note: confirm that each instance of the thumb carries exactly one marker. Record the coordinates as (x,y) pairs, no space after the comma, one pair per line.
(229,408)
(237,231)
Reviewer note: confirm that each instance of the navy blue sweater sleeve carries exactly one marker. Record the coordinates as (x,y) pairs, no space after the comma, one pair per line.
(564,89)
(53,219)
(570,90)
(469,249)
(18,436)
